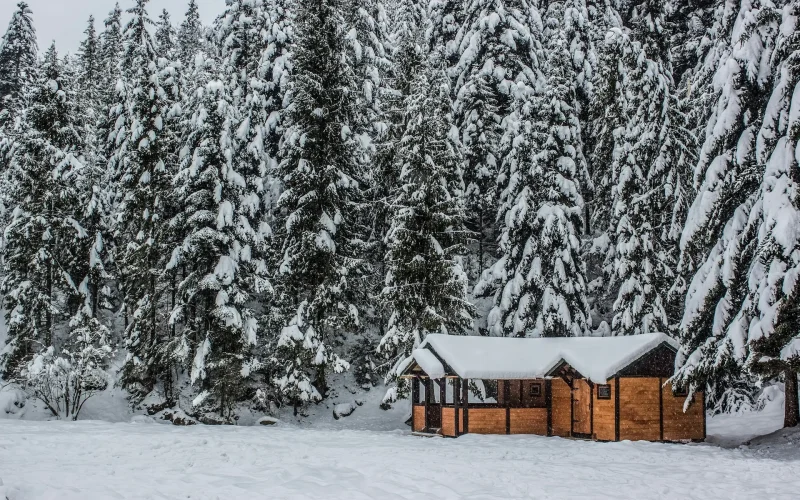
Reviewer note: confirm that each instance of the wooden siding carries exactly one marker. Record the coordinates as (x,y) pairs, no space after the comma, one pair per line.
(529,421)
(449,422)
(680,426)
(639,409)
(487,420)
(419,418)
(561,408)
(604,415)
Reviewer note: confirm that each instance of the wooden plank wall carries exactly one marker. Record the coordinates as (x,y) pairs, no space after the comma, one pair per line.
(604,415)
(680,426)
(561,408)
(419,418)
(449,422)
(487,420)
(639,409)
(529,421)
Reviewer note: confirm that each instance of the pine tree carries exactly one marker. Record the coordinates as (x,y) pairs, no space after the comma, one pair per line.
(443,30)
(111,52)
(275,68)
(426,287)
(40,247)
(499,46)
(641,158)
(90,71)
(741,304)
(320,266)
(165,37)
(190,35)
(408,53)
(719,239)
(604,117)
(222,279)
(142,180)
(18,52)
(542,287)
(368,40)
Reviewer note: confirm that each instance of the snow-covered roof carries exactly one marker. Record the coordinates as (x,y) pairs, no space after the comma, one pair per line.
(596,358)
(429,363)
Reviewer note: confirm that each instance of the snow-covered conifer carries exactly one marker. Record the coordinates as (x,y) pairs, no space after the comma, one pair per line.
(540,281)
(217,252)
(165,36)
(190,35)
(500,45)
(741,303)
(442,32)
(18,51)
(40,239)
(426,287)
(111,52)
(641,167)
(138,163)
(321,264)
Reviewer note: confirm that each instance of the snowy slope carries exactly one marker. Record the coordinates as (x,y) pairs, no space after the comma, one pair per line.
(93,460)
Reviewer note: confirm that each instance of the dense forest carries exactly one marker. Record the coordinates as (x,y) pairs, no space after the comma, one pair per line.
(244,211)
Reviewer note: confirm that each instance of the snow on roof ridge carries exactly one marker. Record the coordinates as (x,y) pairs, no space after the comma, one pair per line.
(596,358)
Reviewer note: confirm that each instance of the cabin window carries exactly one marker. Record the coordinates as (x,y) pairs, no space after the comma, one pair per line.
(603,391)
(535,390)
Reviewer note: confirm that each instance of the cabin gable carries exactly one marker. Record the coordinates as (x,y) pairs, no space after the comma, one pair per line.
(659,362)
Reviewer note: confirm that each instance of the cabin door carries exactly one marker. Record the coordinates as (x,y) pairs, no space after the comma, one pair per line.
(581,408)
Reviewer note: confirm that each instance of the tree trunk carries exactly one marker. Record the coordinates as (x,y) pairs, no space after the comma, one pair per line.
(792,412)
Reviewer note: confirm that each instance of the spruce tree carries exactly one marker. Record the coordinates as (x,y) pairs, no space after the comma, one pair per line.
(18,51)
(320,264)
(719,239)
(219,241)
(111,52)
(540,281)
(443,30)
(190,35)
(43,234)
(426,287)
(138,162)
(741,303)
(165,37)
(499,45)
(642,267)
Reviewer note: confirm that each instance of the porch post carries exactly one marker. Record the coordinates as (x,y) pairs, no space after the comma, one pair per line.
(428,394)
(507,397)
(465,396)
(456,396)
(442,392)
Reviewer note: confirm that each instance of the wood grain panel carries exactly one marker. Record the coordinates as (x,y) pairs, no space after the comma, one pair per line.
(561,408)
(487,420)
(419,418)
(639,409)
(680,426)
(529,421)
(449,422)
(604,416)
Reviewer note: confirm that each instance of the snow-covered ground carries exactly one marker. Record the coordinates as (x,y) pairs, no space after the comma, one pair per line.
(143,459)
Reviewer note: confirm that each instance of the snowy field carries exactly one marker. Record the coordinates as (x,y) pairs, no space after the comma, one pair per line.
(145,460)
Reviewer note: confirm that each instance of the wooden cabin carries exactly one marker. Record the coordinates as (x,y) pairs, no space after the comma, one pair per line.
(601,388)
